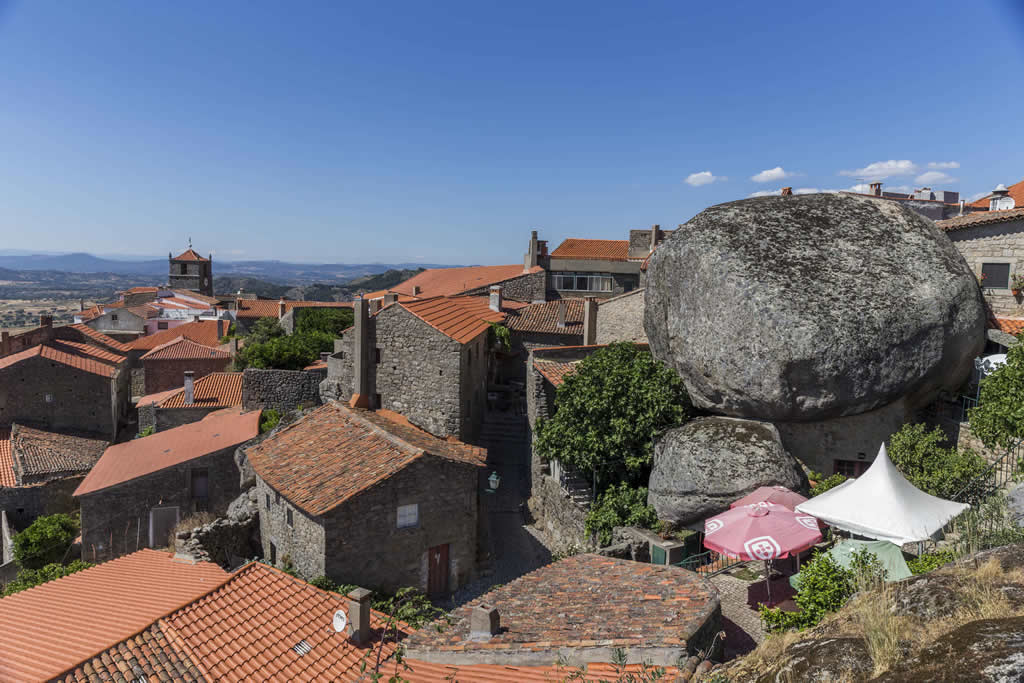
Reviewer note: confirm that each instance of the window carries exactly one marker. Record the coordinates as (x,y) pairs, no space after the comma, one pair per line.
(377,402)
(850,468)
(268,501)
(995,275)
(376,356)
(273,554)
(183,269)
(469,356)
(199,485)
(113,317)
(161,326)
(408,516)
(291,522)
(277,498)
(583,282)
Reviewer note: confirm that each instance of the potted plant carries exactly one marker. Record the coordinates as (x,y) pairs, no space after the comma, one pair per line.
(1017,284)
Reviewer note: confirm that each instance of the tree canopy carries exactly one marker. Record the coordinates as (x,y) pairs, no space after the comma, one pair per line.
(45,541)
(930,464)
(998,420)
(319,319)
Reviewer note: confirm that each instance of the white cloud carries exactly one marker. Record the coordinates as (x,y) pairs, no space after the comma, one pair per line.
(807,190)
(880,170)
(771,175)
(943,164)
(935,178)
(765,193)
(703,178)
(978,195)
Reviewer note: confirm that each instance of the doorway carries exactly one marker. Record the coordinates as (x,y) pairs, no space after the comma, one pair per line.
(437,570)
(161,524)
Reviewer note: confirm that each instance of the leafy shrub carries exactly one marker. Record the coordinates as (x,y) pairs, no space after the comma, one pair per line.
(825,586)
(825,483)
(998,419)
(929,464)
(930,561)
(408,604)
(29,578)
(620,505)
(330,321)
(324,583)
(292,352)
(45,541)
(148,431)
(269,419)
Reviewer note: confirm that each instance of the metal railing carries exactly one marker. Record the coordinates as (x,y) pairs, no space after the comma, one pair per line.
(997,475)
(708,563)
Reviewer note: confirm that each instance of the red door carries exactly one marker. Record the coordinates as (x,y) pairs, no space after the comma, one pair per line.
(437,570)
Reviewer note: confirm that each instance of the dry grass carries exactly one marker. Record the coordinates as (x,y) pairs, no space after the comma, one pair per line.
(771,650)
(882,630)
(187,524)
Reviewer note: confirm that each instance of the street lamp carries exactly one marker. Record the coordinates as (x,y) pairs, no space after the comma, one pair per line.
(493,482)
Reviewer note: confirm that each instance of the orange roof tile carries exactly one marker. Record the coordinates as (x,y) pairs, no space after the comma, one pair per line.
(554,371)
(267,308)
(63,355)
(203,332)
(600,250)
(40,455)
(184,349)
(981,218)
(157,398)
(543,318)
(335,452)
(1012,326)
(50,628)
(430,672)
(139,457)
(460,317)
(216,390)
(101,338)
(1016,191)
(189,255)
(178,303)
(7,477)
(140,290)
(451,281)
(316,365)
(88,350)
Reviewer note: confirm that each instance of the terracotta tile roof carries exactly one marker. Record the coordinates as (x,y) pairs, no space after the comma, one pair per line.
(451,281)
(216,390)
(586,598)
(63,355)
(189,255)
(981,218)
(1016,191)
(40,455)
(7,478)
(178,303)
(191,294)
(147,656)
(140,290)
(184,349)
(430,672)
(101,338)
(266,308)
(88,350)
(460,317)
(139,457)
(554,371)
(336,452)
(48,629)
(600,250)
(543,318)
(317,365)
(158,397)
(1012,326)
(203,332)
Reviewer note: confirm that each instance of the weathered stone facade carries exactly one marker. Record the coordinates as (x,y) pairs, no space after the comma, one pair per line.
(163,374)
(116,520)
(527,287)
(282,390)
(359,540)
(23,504)
(996,243)
(621,318)
(161,419)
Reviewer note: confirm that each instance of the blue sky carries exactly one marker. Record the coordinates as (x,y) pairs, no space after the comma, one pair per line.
(443,132)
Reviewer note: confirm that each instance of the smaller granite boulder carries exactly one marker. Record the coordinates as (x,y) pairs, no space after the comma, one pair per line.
(704,465)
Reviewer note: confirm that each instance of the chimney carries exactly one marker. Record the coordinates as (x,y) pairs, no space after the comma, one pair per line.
(280,309)
(360,354)
(359,615)
(220,328)
(875,189)
(562,305)
(45,320)
(415,290)
(962,202)
(655,236)
(374,305)
(195,318)
(190,395)
(495,298)
(531,252)
(787,192)
(390,298)
(589,321)
(324,355)
(81,305)
(1000,199)
(484,622)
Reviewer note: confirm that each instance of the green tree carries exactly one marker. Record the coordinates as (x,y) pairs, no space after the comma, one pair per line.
(29,578)
(292,352)
(620,505)
(825,586)
(319,319)
(930,464)
(263,330)
(45,541)
(998,420)
(609,411)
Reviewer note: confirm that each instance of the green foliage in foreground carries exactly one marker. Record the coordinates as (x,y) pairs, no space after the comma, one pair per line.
(269,419)
(998,420)
(331,321)
(825,483)
(45,541)
(29,578)
(930,561)
(620,505)
(929,464)
(408,604)
(292,352)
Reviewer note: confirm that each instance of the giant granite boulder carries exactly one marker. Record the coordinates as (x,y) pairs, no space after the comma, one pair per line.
(811,307)
(706,464)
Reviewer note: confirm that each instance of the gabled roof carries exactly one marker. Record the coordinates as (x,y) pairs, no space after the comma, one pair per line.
(451,281)
(65,355)
(184,349)
(203,332)
(267,308)
(460,317)
(101,338)
(41,455)
(555,371)
(7,478)
(140,457)
(1016,191)
(598,250)
(336,452)
(543,317)
(1012,326)
(50,628)
(189,255)
(88,350)
(970,220)
(216,390)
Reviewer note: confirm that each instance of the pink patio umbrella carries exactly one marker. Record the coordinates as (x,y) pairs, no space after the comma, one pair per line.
(761,531)
(779,495)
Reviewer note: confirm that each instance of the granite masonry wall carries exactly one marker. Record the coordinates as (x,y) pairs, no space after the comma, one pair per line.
(473,378)
(301,543)
(163,374)
(162,419)
(282,390)
(23,504)
(621,318)
(528,287)
(115,521)
(138,382)
(997,243)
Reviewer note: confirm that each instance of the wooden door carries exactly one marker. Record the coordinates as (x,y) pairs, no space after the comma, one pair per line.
(161,522)
(437,570)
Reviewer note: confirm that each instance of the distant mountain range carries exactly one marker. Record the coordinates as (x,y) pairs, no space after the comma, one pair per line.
(272,271)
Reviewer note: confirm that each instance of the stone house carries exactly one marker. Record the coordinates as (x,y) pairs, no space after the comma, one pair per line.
(934,204)
(166,365)
(601,268)
(562,322)
(426,359)
(139,490)
(191,402)
(70,379)
(621,318)
(188,270)
(366,497)
(123,323)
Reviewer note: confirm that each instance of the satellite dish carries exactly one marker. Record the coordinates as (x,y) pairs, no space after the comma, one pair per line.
(340,621)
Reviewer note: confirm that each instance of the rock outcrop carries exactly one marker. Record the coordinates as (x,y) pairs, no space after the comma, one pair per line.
(226,540)
(812,307)
(706,464)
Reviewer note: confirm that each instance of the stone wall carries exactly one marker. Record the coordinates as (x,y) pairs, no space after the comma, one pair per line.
(282,390)
(302,543)
(163,374)
(228,540)
(621,318)
(162,419)
(529,287)
(115,521)
(138,382)
(23,504)
(997,243)
(473,392)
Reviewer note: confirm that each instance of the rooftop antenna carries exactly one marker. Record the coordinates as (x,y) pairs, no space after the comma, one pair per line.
(189,242)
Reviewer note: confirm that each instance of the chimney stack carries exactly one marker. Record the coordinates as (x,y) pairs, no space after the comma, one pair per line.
(655,236)
(495,298)
(374,305)
(876,189)
(195,318)
(589,321)
(787,192)
(280,309)
(359,615)
(531,253)
(562,305)
(45,320)
(390,298)
(415,290)
(220,328)
(484,622)
(81,305)
(360,354)
(190,395)
(324,355)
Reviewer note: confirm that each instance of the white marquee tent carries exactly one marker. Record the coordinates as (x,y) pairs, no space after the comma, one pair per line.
(882,504)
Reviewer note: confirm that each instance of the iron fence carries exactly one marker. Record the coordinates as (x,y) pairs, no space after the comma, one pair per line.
(708,563)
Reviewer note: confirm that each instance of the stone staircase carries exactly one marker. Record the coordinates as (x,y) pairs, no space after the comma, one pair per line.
(577,489)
